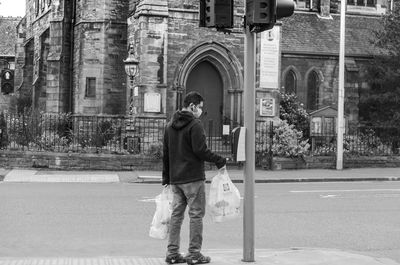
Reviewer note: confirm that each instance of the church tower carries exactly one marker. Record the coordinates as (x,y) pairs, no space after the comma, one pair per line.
(100,46)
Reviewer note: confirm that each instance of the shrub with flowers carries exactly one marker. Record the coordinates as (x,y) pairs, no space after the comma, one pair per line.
(288,141)
(293,111)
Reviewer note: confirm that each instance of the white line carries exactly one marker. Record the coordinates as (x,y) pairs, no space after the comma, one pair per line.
(360,190)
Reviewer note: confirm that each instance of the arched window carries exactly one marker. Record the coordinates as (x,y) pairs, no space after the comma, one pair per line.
(312,91)
(290,82)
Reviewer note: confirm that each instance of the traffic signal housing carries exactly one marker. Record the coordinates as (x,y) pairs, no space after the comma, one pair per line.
(7,81)
(216,14)
(262,14)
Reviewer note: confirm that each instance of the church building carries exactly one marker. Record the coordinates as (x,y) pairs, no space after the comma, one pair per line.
(70,57)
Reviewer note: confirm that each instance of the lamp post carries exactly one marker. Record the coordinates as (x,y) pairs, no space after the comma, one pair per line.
(131,69)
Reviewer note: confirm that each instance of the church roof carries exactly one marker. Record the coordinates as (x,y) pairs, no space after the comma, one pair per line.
(8,33)
(305,32)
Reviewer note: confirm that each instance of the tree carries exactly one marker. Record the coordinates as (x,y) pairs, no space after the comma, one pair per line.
(380,106)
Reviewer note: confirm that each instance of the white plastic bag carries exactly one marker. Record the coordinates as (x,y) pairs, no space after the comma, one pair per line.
(224,198)
(160,225)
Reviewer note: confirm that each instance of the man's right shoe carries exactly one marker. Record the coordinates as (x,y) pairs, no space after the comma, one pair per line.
(174,259)
(197,258)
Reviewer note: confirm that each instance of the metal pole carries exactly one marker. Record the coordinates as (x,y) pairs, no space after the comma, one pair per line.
(340,121)
(249,165)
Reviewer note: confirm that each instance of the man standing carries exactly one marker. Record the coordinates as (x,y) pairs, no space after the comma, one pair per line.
(184,153)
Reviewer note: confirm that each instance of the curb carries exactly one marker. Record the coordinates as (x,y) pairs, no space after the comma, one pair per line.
(293,180)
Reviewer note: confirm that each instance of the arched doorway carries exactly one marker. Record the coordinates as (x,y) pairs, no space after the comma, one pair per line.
(206,79)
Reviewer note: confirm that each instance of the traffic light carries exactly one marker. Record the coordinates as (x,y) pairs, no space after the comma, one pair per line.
(216,13)
(262,14)
(260,11)
(7,81)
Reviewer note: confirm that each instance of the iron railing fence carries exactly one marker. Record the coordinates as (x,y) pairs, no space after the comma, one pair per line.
(219,138)
(74,133)
(361,141)
(142,135)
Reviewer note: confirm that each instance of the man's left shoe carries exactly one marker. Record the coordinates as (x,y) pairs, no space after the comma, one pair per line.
(174,259)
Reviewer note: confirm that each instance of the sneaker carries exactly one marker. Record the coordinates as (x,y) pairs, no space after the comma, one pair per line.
(174,259)
(197,258)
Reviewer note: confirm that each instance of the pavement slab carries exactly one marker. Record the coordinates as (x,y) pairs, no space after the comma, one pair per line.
(294,256)
(23,175)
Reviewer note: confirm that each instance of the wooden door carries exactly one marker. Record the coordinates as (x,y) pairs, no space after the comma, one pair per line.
(205,79)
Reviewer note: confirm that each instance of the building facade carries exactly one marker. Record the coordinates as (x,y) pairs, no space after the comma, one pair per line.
(70,53)
(69,57)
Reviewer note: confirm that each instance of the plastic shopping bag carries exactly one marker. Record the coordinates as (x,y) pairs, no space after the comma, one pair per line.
(160,225)
(224,198)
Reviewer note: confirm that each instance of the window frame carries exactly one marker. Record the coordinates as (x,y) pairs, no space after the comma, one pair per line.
(90,92)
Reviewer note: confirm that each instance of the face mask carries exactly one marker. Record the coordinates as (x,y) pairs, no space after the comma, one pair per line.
(198,113)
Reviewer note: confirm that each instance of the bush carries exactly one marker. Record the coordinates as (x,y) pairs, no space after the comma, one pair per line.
(288,141)
(155,150)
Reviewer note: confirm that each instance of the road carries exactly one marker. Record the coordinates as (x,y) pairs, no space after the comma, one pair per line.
(86,220)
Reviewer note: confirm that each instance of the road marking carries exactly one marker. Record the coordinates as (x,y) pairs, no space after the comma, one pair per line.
(328,196)
(148,200)
(355,190)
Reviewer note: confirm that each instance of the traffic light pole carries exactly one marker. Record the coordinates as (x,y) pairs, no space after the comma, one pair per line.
(249,166)
(340,120)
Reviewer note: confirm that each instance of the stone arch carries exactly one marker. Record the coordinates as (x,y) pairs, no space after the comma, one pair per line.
(227,65)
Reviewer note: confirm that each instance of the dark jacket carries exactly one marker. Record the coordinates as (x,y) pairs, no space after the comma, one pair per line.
(185,150)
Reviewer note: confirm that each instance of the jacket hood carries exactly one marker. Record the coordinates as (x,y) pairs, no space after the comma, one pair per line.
(181,119)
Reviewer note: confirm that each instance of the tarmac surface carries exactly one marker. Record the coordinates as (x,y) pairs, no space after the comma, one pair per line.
(297,256)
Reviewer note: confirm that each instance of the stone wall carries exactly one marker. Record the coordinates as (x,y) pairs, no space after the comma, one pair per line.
(81,161)
(78,161)
(327,68)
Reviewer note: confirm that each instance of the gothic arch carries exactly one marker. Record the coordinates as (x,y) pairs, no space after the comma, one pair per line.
(217,54)
(313,72)
(297,75)
(228,67)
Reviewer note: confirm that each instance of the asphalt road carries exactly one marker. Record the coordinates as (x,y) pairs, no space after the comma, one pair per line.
(86,220)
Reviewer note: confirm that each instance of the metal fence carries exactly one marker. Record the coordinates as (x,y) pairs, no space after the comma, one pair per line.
(141,135)
(219,138)
(72,133)
(362,141)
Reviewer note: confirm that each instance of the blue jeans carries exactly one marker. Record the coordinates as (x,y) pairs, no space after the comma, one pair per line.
(191,195)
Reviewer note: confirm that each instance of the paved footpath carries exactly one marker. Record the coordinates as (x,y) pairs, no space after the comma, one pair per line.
(306,256)
(260,176)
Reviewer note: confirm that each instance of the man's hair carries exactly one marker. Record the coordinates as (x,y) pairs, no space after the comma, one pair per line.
(192,97)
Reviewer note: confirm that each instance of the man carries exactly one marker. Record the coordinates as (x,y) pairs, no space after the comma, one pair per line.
(184,153)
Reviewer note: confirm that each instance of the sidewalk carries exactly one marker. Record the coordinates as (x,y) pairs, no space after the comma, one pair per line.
(260,176)
(301,175)
(306,256)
